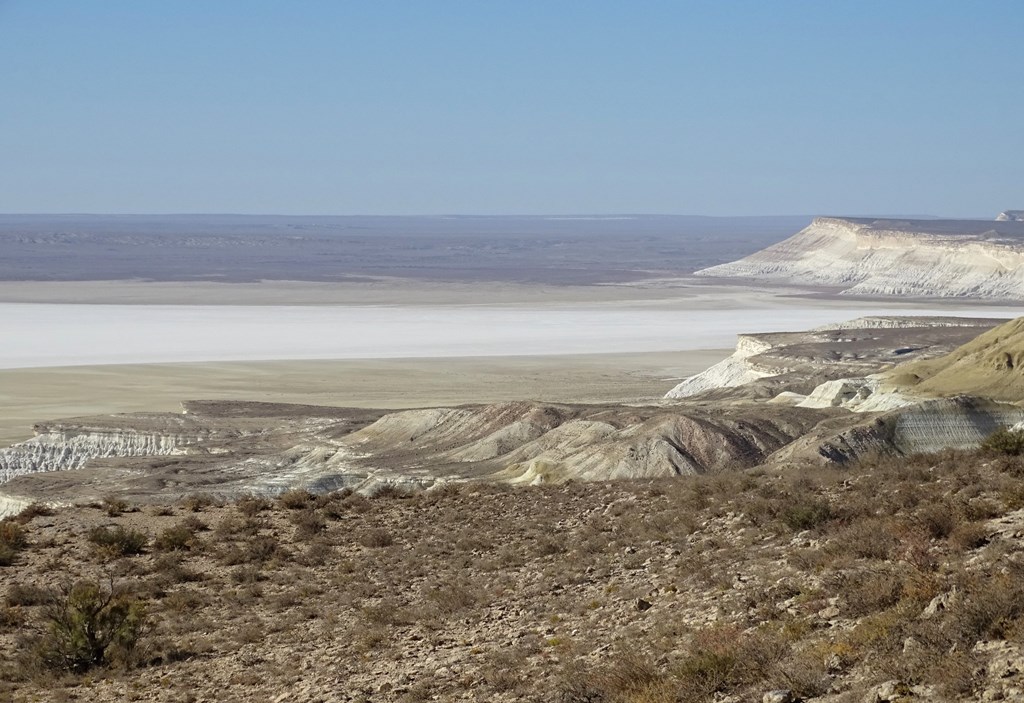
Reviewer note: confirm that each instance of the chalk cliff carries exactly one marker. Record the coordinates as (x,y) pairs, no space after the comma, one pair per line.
(927,258)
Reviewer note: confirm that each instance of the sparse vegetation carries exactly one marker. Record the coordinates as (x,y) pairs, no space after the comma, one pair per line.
(118,541)
(1005,441)
(12,540)
(90,624)
(725,586)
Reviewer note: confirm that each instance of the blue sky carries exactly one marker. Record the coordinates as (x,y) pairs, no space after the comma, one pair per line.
(435,106)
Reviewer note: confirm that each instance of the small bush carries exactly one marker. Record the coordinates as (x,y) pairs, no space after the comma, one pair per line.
(24,595)
(90,625)
(1004,441)
(178,538)
(12,541)
(33,511)
(197,502)
(939,519)
(117,541)
(296,499)
(806,514)
(250,505)
(114,505)
(376,538)
(390,490)
(307,523)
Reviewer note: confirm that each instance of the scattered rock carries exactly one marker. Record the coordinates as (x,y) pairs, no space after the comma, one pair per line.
(641,605)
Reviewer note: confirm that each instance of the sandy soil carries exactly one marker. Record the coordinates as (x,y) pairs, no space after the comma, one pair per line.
(33,395)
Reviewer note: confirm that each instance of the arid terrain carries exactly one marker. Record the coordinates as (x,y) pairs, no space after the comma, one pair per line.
(807,519)
(888,580)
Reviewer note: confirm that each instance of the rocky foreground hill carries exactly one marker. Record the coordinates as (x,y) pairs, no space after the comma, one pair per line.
(886,581)
(928,258)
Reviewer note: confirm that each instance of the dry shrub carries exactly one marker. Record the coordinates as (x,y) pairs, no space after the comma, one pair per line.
(453,597)
(251,505)
(307,523)
(806,513)
(19,594)
(296,499)
(992,608)
(391,490)
(114,505)
(939,519)
(630,678)
(870,538)
(170,569)
(317,554)
(118,541)
(197,502)
(376,538)
(871,591)
(34,510)
(970,535)
(258,550)
(13,539)
(232,526)
(178,538)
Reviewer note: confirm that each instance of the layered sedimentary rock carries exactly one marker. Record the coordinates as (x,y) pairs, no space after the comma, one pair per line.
(831,394)
(929,258)
(801,360)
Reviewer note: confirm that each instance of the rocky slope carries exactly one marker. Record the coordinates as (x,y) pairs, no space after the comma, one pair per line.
(1010,216)
(930,258)
(891,581)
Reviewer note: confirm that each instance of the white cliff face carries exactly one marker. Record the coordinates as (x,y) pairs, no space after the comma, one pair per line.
(736,370)
(65,449)
(1010,216)
(942,258)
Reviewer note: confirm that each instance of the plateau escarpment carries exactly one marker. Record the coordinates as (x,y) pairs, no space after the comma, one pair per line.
(927,258)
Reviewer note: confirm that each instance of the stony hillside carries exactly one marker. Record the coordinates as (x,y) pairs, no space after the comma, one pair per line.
(888,581)
(929,258)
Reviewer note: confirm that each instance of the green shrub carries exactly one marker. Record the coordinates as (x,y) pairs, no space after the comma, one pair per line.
(1004,441)
(178,538)
(91,625)
(118,541)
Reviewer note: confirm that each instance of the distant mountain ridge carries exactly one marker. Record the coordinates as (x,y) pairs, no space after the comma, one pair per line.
(889,257)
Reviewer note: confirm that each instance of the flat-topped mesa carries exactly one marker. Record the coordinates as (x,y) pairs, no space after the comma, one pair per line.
(926,258)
